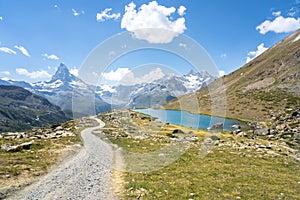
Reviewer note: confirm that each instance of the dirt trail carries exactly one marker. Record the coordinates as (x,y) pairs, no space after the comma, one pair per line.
(85,176)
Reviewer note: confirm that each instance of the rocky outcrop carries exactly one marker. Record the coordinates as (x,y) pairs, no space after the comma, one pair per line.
(16,147)
(285,127)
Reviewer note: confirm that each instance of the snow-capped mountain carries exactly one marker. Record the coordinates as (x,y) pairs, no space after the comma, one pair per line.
(155,93)
(61,89)
(64,86)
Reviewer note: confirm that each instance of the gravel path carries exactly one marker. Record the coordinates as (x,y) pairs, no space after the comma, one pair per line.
(85,176)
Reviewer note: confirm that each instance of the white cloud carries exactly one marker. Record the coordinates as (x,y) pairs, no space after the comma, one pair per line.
(1,18)
(23,50)
(105,14)
(152,22)
(51,57)
(181,10)
(75,13)
(7,50)
(221,73)
(6,73)
(127,77)
(279,25)
(131,79)
(276,14)
(33,75)
(293,11)
(253,54)
(74,71)
(116,75)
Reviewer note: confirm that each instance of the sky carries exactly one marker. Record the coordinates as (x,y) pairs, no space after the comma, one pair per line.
(36,36)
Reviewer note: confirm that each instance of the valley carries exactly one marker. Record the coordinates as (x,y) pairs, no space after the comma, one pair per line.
(165,133)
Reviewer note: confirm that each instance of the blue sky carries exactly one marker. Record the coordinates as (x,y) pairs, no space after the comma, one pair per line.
(36,36)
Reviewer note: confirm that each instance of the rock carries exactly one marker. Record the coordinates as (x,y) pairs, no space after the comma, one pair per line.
(242,134)
(59,128)
(191,139)
(236,132)
(178,131)
(214,138)
(11,148)
(217,126)
(236,126)
(208,141)
(295,114)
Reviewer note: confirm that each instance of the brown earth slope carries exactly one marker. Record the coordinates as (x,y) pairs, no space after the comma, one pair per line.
(268,84)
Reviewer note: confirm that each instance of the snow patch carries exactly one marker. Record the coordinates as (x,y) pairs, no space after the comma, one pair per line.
(53,85)
(297,38)
(5,79)
(107,88)
(78,84)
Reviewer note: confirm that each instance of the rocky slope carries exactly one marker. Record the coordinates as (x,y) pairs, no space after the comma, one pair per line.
(20,110)
(268,84)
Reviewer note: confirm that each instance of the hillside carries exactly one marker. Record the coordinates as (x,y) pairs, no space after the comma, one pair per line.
(21,110)
(268,84)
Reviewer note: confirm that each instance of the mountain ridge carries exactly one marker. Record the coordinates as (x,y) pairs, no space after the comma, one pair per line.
(268,84)
(156,93)
(20,109)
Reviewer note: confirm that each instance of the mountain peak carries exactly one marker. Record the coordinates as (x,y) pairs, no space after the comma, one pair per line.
(191,72)
(63,74)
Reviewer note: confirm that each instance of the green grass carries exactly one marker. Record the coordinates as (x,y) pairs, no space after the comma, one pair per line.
(220,175)
(225,173)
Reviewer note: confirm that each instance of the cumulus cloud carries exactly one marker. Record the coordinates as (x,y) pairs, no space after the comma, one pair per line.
(116,75)
(7,50)
(153,22)
(33,75)
(23,50)
(126,77)
(51,56)
(181,10)
(105,15)
(253,54)
(279,25)
(1,18)
(74,71)
(6,73)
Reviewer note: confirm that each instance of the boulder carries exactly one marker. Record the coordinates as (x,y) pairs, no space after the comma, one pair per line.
(236,126)
(178,131)
(12,148)
(217,126)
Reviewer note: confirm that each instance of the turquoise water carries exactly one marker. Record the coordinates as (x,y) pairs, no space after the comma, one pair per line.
(189,120)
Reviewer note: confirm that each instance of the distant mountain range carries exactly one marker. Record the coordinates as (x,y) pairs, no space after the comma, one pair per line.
(63,85)
(268,84)
(21,110)
(156,93)
(61,88)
